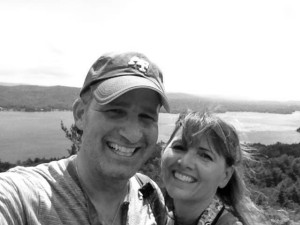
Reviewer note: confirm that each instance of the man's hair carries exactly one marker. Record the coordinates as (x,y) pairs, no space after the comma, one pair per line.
(87,96)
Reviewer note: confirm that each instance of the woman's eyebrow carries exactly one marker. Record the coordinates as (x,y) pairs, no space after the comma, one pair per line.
(207,150)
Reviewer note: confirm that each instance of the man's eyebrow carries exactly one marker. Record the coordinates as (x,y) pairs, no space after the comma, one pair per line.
(151,110)
(115,103)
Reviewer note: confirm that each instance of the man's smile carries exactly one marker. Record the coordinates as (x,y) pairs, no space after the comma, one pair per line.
(121,150)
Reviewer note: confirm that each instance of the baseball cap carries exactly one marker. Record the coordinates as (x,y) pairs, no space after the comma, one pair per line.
(118,73)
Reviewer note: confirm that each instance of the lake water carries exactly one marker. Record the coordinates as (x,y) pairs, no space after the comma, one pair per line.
(38,134)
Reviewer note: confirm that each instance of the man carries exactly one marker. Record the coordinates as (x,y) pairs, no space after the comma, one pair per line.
(118,113)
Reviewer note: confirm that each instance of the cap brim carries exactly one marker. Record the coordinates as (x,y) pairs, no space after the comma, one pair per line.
(112,88)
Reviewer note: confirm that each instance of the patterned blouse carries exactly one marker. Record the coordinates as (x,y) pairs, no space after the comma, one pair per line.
(214,214)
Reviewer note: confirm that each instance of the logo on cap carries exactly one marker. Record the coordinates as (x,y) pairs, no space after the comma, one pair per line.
(139,64)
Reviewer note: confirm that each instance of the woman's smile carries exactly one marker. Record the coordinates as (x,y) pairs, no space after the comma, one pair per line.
(183,177)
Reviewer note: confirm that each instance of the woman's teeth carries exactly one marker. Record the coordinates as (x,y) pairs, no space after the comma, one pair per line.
(183,177)
(121,150)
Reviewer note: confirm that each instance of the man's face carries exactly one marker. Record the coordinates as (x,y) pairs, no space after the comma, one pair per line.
(120,136)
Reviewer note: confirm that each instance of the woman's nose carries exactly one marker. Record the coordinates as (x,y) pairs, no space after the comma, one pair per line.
(187,160)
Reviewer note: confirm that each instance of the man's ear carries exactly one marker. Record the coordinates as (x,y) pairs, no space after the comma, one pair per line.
(78,113)
(227,175)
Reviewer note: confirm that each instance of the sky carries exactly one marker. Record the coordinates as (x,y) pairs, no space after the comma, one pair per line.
(231,49)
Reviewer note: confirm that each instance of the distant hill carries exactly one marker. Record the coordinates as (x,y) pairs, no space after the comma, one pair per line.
(41,98)
(37,98)
(9,84)
(180,101)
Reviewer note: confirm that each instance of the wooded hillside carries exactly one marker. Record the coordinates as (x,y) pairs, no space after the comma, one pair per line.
(41,98)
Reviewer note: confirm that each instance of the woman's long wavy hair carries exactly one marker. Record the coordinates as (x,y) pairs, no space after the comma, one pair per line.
(225,140)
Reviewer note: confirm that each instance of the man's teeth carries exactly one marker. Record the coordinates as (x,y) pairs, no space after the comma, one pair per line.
(183,177)
(121,150)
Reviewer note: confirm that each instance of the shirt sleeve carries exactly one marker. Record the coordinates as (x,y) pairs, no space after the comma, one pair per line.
(18,199)
(11,209)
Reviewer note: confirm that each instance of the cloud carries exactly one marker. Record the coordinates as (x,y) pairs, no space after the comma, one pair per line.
(43,75)
(236,48)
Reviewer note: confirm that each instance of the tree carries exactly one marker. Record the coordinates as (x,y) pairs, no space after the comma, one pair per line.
(74,135)
(152,166)
(4,166)
(296,167)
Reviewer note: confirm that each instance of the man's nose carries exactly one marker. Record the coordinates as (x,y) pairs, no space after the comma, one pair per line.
(132,131)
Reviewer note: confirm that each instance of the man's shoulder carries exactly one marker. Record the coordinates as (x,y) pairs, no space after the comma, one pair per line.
(16,188)
(21,175)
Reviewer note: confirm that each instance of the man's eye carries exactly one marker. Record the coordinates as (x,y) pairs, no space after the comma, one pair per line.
(149,117)
(114,112)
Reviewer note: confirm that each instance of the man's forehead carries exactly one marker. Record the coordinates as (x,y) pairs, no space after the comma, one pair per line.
(153,108)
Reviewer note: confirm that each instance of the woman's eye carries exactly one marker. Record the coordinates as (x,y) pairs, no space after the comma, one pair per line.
(178,147)
(114,110)
(205,156)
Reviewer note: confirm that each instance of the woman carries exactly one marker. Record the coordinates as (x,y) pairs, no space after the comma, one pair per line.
(201,170)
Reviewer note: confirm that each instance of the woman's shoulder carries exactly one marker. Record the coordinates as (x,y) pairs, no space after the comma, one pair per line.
(228,218)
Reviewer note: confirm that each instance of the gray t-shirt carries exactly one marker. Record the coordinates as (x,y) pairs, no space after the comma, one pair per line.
(50,194)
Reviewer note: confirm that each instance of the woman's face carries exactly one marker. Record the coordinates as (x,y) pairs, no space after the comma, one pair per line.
(193,173)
